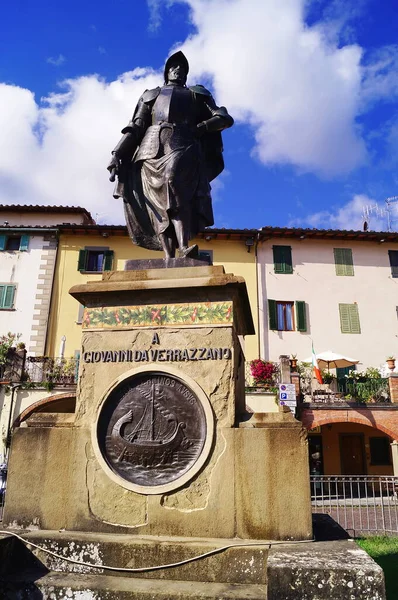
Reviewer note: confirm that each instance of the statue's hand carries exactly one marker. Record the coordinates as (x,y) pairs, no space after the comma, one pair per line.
(113,167)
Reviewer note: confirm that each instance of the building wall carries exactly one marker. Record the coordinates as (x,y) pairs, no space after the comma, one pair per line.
(42,218)
(18,402)
(64,311)
(32,273)
(314,281)
(331,447)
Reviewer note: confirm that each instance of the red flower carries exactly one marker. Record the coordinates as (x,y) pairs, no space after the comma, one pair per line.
(263,371)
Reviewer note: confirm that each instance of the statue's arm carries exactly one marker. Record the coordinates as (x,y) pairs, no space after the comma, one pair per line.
(215,118)
(134,131)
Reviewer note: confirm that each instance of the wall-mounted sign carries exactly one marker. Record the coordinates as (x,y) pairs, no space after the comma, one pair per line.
(287,391)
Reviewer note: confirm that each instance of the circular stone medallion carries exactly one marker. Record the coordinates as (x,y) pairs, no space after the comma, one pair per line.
(151,431)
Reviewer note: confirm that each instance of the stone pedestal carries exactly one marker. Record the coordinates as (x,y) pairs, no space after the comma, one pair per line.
(166,341)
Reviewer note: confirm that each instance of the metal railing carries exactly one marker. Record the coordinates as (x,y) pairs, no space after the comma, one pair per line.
(51,371)
(359,503)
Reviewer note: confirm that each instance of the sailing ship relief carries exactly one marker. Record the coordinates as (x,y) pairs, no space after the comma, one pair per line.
(153,427)
(154,439)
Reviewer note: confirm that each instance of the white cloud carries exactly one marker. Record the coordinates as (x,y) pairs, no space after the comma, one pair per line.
(299,91)
(57,153)
(56,61)
(349,216)
(155,18)
(380,75)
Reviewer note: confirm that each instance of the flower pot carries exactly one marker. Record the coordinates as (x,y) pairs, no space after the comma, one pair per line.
(293,363)
(391,364)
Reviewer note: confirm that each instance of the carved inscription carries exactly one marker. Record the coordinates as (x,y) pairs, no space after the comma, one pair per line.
(157,354)
(152,429)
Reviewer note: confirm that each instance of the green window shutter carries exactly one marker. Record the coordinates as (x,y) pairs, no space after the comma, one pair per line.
(8,297)
(82,262)
(349,318)
(272,315)
(283,259)
(344,318)
(343,261)
(301,316)
(2,290)
(108,260)
(393,256)
(24,243)
(3,239)
(354,319)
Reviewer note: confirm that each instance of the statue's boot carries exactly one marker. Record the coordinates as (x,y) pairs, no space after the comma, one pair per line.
(190,251)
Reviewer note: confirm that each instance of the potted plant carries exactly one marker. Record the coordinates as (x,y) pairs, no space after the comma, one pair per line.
(327,377)
(293,362)
(391,362)
(263,372)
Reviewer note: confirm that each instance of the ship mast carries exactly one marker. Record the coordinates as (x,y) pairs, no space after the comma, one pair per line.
(152,422)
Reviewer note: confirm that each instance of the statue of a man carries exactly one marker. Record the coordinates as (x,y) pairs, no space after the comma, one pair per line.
(169,153)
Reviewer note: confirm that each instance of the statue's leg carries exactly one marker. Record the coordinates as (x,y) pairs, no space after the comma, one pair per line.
(168,245)
(183,238)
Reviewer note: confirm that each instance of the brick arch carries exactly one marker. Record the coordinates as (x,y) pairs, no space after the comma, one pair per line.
(385,421)
(41,404)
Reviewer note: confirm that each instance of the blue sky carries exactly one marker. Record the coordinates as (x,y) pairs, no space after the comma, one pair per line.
(312,85)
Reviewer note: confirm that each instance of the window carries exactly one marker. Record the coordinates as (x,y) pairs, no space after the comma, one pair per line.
(287,316)
(94,260)
(343,261)
(349,318)
(379,451)
(206,255)
(11,243)
(7,295)
(393,256)
(282,259)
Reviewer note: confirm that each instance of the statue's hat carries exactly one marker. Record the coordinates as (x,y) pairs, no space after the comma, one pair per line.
(178,57)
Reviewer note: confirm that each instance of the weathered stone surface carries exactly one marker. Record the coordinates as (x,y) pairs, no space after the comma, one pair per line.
(323,571)
(38,478)
(271,472)
(215,377)
(239,564)
(112,503)
(165,263)
(57,586)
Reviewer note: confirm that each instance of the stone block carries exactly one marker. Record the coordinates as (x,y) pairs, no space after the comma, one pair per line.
(323,571)
(271,479)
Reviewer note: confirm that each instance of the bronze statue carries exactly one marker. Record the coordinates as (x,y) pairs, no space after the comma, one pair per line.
(169,153)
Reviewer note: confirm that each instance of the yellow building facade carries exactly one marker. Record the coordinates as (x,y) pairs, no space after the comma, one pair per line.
(234,249)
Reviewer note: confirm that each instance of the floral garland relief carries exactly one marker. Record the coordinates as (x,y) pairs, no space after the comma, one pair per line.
(214,313)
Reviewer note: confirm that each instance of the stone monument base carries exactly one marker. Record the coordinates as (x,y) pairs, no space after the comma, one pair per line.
(321,570)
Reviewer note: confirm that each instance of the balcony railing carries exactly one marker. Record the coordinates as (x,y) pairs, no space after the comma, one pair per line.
(361,392)
(50,371)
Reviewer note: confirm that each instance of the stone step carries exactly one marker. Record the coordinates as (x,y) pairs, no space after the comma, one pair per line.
(238,565)
(64,586)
